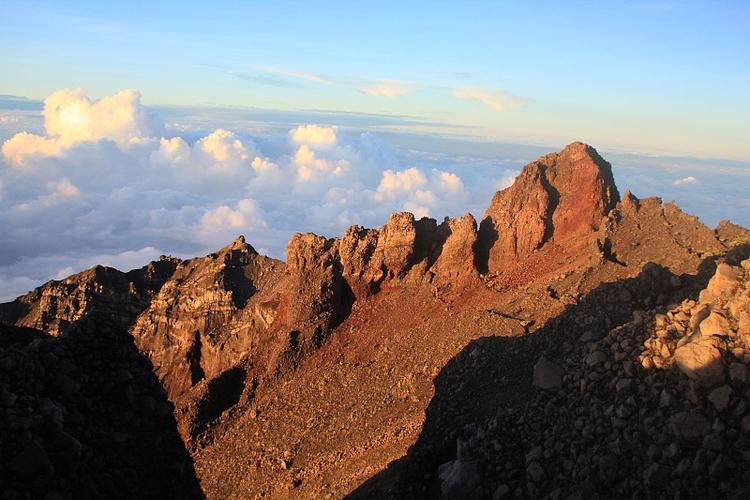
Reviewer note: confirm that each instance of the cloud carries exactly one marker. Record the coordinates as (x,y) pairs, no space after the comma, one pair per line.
(63,190)
(71,118)
(414,192)
(23,145)
(496,100)
(310,77)
(308,165)
(96,193)
(507,180)
(394,184)
(449,182)
(218,158)
(314,135)
(686,181)
(264,79)
(389,89)
(264,165)
(245,215)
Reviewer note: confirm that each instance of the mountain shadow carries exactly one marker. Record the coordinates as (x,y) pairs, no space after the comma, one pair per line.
(487,421)
(84,416)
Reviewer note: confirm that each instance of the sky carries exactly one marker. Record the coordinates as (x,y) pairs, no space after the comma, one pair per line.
(130,130)
(653,76)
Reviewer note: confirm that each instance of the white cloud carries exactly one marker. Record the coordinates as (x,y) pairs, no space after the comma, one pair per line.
(314,135)
(449,182)
(394,184)
(171,151)
(264,165)
(97,198)
(71,118)
(388,89)
(410,190)
(419,211)
(496,100)
(686,181)
(223,147)
(245,215)
(308,164)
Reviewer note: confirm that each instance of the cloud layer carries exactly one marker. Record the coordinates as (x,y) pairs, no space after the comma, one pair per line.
(107,182)
(496,100)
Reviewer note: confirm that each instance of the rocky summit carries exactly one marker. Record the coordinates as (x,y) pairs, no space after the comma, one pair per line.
(574,342)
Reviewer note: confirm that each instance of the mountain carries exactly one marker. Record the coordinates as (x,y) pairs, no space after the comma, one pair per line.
(561,346)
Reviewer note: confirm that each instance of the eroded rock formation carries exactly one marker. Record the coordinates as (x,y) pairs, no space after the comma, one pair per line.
(313,361)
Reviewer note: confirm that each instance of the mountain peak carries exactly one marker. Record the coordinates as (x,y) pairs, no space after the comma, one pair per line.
(556,197)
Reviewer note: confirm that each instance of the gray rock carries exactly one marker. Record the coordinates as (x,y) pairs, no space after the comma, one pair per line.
(535,472)
(595,359)
(745,424)
(719,397)
(713,442)
(459,480)
(689,425)
(738,373)
(547,375)
(502,491)
(32,459)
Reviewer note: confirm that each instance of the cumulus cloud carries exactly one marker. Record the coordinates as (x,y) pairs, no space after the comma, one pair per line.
(412,191)
(449,182)
(71,118)
(245,215)
(264,165)
(686,181)
(496,100)
(314,135)
(96,193)
(396,184)
(309,165)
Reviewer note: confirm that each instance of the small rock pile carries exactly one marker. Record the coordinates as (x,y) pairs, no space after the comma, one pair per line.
(82,416)
(655,408)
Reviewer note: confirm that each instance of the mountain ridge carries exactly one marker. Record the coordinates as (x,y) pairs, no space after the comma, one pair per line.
(228,334)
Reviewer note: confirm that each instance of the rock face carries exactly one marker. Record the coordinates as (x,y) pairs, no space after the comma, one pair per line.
(559,197)
(58,305)
(236,351)
(314,297)
(205,318)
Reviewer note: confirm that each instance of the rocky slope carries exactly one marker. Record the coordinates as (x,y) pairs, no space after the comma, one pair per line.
(355,366)
(657,407)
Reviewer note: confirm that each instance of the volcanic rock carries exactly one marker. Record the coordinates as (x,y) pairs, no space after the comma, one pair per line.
(366,358)
(559,197)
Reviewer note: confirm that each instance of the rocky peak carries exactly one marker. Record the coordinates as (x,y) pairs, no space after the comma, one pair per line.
(555,198)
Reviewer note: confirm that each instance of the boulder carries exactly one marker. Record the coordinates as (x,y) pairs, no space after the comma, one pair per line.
(722,285)
(719,397)
(460,480)
(714,324)
(547,375)
(31,460)
(701,360)
(689,425)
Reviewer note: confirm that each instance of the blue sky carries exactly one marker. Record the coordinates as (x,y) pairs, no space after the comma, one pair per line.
(134,129)
(669,77)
